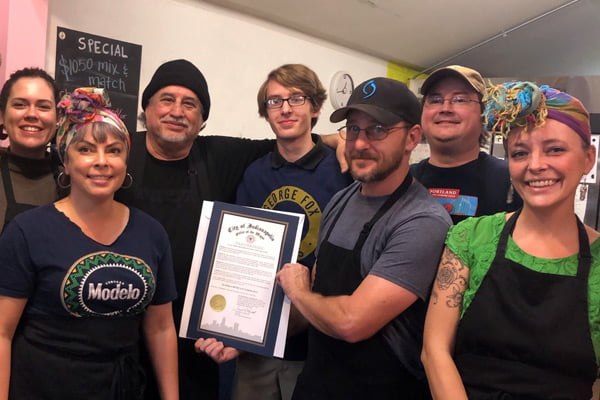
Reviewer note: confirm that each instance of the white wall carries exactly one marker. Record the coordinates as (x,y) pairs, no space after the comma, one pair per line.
(234,52)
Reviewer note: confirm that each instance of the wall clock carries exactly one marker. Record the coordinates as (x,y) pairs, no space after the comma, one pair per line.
(340,89)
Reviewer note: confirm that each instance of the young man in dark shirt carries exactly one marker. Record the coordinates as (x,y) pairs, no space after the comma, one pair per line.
(300,175)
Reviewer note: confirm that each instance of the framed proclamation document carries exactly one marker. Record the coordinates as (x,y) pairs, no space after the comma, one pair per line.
(232,294)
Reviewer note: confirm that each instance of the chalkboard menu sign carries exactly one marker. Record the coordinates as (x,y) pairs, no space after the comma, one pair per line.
(84,60)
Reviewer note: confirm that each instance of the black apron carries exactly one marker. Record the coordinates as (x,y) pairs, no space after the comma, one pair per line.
(12,207)
(526,335)
(77,358)
(336,369)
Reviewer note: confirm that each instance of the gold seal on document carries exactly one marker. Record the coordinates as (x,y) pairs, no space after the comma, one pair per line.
(217,302)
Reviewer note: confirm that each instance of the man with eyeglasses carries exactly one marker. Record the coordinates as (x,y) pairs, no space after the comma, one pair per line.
(379,246)
(464,179)
(300,175)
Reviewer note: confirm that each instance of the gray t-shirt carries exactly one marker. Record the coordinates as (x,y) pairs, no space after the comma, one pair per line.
(404,247)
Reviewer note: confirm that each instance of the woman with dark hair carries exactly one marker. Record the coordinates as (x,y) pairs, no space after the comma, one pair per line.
(84,277)
(28,116)
(515,308)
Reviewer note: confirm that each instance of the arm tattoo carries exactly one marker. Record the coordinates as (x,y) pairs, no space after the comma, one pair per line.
(452,277)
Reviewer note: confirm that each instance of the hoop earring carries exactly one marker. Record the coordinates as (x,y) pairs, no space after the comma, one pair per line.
(129,184)
(60,180)
(583,188)
(510,194)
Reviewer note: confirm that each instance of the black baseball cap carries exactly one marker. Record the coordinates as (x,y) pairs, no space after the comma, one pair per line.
(386,100)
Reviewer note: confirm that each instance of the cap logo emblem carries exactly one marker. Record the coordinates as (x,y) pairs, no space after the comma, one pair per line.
(369,89)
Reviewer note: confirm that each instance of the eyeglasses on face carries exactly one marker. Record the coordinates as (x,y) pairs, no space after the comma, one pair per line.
(458,101)
(373,132)
(294,101)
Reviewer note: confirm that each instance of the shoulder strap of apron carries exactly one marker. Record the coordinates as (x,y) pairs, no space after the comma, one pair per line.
(382,210)
(394,197)
(585,254)
(6,181)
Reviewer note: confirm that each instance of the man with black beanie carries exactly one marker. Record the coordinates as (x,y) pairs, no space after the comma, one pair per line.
(174,170)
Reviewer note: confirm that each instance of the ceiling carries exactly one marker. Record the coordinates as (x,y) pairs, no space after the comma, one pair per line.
(499,38)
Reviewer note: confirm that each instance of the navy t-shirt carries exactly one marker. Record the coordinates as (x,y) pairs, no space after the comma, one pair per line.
(47,259)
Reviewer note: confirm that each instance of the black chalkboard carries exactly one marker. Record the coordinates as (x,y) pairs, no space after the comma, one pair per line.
(84,60)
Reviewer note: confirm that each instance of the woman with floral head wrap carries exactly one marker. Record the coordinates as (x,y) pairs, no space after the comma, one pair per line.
(28,118)
(515,308)
(84,276)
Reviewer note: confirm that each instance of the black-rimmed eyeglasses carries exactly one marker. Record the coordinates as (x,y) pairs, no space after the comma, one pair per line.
(373,132)
(294,101)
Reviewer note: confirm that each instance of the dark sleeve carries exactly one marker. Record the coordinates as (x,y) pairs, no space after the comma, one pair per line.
(16,268)
(227,159)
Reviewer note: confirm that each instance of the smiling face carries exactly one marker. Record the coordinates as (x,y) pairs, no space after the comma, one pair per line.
(546,164)
(96,162)
(173,118)
(452,127)
(30,117)
(289,123)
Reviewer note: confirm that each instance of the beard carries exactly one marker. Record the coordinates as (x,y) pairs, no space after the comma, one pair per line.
(383,169)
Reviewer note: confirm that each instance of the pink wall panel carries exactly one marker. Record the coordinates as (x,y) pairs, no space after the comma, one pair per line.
(23,26)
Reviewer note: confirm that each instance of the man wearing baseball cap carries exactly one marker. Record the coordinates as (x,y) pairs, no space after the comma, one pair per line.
(379,246)
(174,170)
(464,179)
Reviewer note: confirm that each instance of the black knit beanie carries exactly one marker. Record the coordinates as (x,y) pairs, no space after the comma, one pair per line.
(179,73)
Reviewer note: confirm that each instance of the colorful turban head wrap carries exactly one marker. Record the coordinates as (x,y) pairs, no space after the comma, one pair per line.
(524,104)
(84,106)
